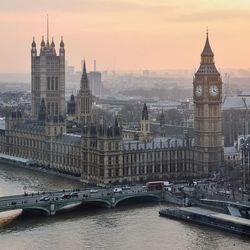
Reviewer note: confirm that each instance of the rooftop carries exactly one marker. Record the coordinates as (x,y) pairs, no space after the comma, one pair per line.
(69,139)
(233,102)
(230,150)
(157,142)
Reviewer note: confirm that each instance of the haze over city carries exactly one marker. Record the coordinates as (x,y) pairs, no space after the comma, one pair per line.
(128,34)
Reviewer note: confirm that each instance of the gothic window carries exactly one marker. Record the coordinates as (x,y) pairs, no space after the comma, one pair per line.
(101,160)
(56,108)
(56,83)
(109,160)
(110,172)
(48,83)
(52,108)
(52,83)
(117,172)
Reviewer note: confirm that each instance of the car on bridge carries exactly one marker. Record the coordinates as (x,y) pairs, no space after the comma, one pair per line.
(117,190)
(74,194)
(44,198)
(92,191)
(65,196)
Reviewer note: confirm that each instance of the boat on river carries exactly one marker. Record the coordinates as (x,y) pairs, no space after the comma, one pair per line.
(209,218)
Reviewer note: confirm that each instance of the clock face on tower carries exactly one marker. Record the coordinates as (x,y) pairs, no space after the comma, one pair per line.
(198,90)
(213,90)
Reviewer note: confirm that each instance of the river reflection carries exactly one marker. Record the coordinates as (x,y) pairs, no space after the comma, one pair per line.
(125,227)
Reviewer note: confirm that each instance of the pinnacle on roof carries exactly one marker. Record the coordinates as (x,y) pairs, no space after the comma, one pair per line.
(145,112)
(42,43)
(33,43)
(61,43)
(84,79)
(84,66)
(52,43)
(207,51)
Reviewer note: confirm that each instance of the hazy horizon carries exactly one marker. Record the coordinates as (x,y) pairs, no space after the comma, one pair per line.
(127,34)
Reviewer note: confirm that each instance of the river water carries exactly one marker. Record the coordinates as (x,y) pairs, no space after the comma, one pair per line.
(126,227)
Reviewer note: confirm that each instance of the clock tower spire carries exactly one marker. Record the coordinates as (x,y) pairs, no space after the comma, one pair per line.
(207,94)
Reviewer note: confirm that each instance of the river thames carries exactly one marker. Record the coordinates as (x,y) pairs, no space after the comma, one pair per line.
(126,227)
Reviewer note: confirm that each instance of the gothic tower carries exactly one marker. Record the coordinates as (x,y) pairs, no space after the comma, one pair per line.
(48,79)
(145,123)
(207,94)
(84,100)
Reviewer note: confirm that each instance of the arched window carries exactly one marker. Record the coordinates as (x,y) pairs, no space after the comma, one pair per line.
(52,108)
(56,83)
(56,108)
(48,83)
(52,83)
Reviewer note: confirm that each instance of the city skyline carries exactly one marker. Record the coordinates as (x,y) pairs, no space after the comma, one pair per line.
(126,35)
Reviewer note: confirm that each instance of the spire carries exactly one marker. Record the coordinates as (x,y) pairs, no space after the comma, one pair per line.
(33,42)
(84,66)
(42,43)
(145,112)
(207,65)
(61,43)
(52,43)
(84,79)
(207,51)
(116,122)
(47,29)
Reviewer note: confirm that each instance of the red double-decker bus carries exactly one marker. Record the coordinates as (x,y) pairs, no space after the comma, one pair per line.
(155,185)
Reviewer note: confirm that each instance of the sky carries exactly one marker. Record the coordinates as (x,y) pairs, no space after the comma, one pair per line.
(127,34)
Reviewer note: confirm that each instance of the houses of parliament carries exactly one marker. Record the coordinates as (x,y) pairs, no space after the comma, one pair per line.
(98,153)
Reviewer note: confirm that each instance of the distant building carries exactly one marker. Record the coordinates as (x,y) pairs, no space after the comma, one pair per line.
(236,114)
(143,134)
(71,108)
(232,155)
(95,83)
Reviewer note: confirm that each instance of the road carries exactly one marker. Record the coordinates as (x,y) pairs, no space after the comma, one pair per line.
(34,198)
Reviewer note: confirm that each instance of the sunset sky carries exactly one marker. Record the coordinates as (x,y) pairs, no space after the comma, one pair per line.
(128,34)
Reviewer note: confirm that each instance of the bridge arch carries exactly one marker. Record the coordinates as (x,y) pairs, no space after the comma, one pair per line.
(43,209)
(69,203)
(137,197)
(98,203)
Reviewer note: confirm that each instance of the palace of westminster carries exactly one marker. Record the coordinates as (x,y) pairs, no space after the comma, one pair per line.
(98,153)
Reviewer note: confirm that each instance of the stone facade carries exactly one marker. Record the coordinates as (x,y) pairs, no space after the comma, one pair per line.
(48,79)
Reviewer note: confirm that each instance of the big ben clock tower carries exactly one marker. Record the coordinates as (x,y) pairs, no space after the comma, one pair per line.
(207,93)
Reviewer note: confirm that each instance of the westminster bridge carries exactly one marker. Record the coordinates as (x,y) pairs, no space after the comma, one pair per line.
(50,203)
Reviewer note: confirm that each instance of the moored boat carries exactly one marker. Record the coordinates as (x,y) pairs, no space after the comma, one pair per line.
(209,218)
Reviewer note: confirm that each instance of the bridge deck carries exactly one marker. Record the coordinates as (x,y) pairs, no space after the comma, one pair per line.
(55,200)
